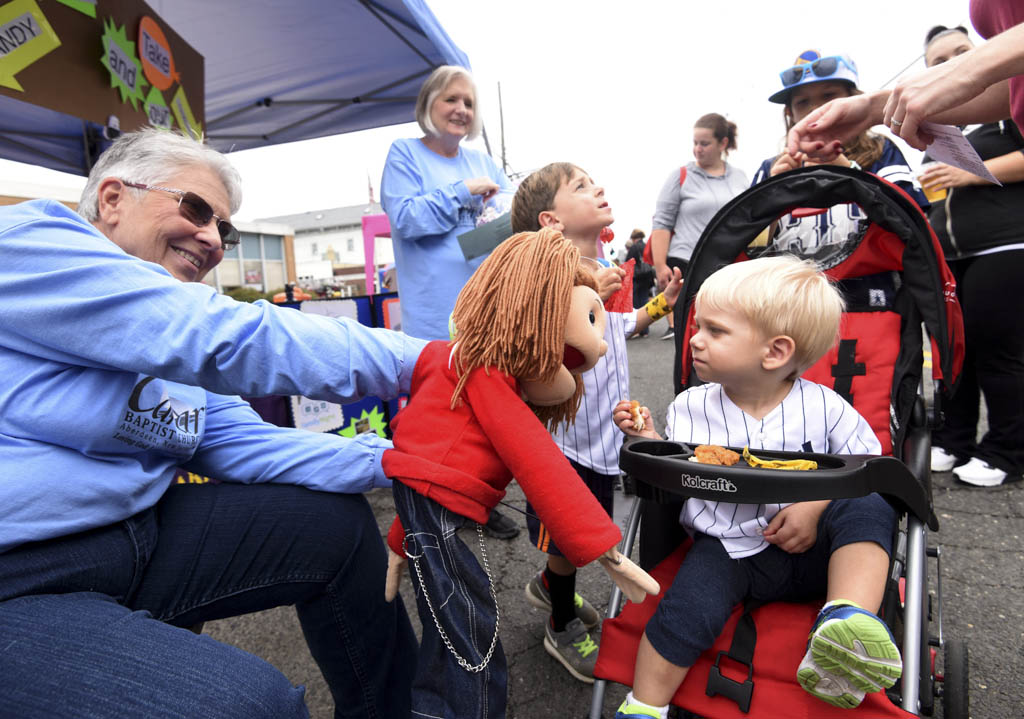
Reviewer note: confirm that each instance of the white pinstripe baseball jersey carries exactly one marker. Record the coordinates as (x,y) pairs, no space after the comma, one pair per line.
(594,441)
(811,418)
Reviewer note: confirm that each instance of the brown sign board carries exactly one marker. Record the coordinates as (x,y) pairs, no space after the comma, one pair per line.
(125,62)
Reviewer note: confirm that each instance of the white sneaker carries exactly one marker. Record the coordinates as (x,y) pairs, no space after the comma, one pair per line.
(942,461)
(979,473)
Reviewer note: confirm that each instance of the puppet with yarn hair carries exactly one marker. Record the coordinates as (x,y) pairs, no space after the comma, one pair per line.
(527,324)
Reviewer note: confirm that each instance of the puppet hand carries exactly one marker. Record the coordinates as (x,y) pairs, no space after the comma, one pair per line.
(396,568)
(634,582)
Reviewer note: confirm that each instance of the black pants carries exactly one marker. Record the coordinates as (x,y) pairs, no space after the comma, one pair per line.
(992,300)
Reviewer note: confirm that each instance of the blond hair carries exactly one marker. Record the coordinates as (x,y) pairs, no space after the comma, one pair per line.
(511,314)
(780,295)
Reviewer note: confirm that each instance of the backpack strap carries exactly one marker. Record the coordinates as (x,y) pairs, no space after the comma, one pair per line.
(682,175)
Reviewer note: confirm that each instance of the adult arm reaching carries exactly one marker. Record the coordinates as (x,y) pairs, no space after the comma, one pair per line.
(970,88)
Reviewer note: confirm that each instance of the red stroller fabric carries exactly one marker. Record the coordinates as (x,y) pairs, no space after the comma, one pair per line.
(776,657)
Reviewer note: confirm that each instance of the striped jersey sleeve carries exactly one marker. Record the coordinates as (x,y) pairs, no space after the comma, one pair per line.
(594,441)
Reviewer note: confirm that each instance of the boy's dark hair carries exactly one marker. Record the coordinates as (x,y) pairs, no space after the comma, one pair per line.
(537,193)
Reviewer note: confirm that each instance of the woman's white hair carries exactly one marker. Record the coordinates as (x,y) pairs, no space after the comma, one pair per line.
(151,157)
(437,83)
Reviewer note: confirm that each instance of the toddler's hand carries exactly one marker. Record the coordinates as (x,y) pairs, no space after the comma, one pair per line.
(622,415)
(795,528)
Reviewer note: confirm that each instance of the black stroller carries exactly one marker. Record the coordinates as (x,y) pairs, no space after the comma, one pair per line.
(894,278)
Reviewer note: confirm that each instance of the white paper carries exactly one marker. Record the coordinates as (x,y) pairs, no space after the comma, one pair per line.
(951,147)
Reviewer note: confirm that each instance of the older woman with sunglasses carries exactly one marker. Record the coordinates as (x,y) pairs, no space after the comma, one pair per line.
(118,366)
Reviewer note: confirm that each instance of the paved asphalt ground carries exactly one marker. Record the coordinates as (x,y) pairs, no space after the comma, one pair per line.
(982,573)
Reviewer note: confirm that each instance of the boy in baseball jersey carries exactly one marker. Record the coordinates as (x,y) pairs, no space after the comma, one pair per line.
(563,196)
(759,325)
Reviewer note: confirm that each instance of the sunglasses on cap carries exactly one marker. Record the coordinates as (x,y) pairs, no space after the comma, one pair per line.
(197,211)
(821,68)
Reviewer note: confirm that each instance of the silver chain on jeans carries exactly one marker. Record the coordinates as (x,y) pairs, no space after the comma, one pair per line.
(444,637)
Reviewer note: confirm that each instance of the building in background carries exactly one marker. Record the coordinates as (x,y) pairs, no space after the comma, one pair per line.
(329,247)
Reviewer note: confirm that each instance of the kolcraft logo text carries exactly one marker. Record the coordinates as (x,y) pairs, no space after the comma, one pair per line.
(718,484)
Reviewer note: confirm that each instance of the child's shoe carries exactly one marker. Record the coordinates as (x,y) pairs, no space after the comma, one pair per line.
(574,648)
(850,651)
(537,594)
(630,709)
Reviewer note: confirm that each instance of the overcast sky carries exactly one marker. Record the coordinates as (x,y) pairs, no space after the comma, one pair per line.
(613,87)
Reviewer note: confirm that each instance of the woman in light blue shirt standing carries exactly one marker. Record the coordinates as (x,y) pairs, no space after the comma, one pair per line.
(433,190)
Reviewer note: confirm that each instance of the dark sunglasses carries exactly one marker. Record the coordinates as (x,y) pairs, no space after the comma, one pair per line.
(197,211)
(823,67)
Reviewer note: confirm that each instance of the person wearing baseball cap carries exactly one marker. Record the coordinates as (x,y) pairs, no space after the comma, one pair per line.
(812,80)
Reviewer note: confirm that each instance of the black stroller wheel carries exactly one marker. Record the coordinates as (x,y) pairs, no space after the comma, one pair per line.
(955,680)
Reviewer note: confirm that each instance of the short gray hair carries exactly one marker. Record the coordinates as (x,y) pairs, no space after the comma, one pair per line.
(437,83)
(151,156)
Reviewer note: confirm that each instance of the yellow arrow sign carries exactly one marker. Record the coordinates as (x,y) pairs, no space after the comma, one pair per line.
(25,36)
(183,114)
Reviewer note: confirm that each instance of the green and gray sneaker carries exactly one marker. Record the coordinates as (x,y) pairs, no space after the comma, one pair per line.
(574,648)
(537,595)
(635,711)
(850,652)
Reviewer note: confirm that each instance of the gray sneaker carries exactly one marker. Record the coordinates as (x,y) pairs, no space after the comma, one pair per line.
(574,648)
(537,595)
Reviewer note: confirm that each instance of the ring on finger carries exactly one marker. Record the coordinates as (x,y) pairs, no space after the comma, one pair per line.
(895,123)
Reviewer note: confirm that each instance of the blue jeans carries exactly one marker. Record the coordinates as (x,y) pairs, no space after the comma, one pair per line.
(460,595)
(91,624)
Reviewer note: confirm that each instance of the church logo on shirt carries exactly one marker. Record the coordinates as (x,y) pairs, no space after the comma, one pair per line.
(154,419)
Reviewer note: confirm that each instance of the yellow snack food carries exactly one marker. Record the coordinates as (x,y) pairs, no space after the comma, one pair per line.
(778,463)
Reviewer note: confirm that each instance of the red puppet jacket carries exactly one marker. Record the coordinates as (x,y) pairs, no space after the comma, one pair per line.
(463,458)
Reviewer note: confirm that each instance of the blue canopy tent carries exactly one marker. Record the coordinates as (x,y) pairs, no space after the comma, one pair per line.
(274,72)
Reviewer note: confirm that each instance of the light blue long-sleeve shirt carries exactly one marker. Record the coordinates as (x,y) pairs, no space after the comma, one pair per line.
(429,206)
(112,373)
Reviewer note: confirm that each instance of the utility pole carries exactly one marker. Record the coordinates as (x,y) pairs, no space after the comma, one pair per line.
(501,118)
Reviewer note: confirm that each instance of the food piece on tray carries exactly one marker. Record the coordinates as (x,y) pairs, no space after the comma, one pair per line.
(637,415)
(778,463)
(713,454)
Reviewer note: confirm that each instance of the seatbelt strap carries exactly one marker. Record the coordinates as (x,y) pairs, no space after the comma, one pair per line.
(741,651)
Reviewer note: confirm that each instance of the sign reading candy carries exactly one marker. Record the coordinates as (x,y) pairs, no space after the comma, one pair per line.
(25,36)
(155,54)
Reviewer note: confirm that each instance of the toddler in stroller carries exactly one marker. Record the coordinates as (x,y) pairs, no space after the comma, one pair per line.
(893,279)
(758,326)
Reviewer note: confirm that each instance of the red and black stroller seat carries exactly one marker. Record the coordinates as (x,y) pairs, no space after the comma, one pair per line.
(894,279)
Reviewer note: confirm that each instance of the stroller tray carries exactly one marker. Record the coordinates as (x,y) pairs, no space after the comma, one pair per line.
(667,466)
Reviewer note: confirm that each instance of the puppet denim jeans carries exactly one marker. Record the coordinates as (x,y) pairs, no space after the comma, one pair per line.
(455,595)
(79,634)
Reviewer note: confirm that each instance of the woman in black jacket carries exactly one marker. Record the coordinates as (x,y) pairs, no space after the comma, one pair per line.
(981,227)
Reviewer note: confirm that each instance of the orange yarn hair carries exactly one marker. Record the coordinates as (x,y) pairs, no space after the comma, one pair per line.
(511,314)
